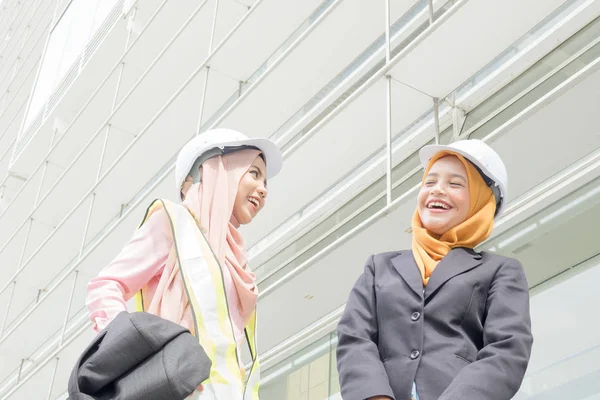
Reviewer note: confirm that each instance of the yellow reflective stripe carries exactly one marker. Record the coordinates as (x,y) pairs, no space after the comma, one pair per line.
(205,339)
(203,280)
(155,205)
(202,275)
(223,316)
(139,301)
(255,390)
(252,385)
(251,335)
(222,332)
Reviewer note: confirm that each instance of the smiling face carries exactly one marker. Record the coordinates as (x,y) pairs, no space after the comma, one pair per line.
(252,192)
(443,201)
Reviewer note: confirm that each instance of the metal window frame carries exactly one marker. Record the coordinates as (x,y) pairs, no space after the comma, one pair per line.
(518,207)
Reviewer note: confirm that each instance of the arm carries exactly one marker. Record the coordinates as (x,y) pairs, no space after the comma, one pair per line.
(501,363)
(362,375)
(140,260)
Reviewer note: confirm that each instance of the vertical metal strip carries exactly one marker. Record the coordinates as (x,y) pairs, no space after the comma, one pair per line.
(456,114)
(455,127)
(39,191)
(205,85)
(103,153)
(105,143)
(93,198)
(49,397)
(202,100)
(4,101)
(20,370)
(122,66)
(54,132)
(87,225)
(388,96)
(389,139)
(436,118)
(387,31)
(115,97)
(64,327)
(22,255)
(12,293)
(214,26)
(431,17)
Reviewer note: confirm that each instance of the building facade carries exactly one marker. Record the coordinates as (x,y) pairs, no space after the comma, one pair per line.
(97,97)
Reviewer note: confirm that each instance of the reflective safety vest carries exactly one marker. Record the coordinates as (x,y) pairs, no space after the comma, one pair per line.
(203,280)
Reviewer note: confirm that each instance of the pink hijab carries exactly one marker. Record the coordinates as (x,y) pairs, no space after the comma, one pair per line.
(211,202)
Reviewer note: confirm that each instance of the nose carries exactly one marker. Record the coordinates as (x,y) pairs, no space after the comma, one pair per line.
(437,189)
(262,191)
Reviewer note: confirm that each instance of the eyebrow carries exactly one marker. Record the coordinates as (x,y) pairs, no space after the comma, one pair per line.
(436,175)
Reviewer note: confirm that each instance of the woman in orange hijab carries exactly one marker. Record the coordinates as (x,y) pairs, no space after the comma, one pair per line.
(441,321)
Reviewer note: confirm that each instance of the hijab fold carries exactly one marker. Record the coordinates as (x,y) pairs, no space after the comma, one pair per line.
(429,248)
(211,203)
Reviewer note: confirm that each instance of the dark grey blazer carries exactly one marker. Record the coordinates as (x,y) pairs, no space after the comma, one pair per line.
(467,336)
(140,356)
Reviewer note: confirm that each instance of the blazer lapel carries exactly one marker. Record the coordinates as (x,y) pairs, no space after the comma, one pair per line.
(409,271)
(456,262)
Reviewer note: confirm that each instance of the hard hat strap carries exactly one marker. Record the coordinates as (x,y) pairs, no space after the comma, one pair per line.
(493,185)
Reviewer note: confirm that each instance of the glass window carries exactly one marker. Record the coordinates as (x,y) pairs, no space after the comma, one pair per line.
(556,238)
(75,27)
(565,362)
(309,374)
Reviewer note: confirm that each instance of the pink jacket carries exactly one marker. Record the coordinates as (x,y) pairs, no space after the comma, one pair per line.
(140,264)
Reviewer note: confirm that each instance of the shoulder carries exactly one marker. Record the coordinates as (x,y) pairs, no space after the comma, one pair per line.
(155,217)
(390,258)
(155,223)
(161,211)
(500,260)
(504,266)
(387,257)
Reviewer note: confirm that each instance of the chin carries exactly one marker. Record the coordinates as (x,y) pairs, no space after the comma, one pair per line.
(438,232)
(247,219)
(435,228)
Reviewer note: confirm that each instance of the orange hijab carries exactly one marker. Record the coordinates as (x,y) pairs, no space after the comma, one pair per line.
(429,248)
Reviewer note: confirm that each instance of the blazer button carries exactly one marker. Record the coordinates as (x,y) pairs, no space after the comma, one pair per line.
(415,354)
(415,316)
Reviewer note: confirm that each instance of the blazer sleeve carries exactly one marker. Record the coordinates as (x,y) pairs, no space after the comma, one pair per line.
(361,372)
(498,371)
(142,258)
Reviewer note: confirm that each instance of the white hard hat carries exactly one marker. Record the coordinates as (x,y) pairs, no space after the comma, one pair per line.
(481,155)
(217,141)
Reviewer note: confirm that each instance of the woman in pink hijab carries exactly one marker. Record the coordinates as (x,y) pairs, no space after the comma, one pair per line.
(221,176)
